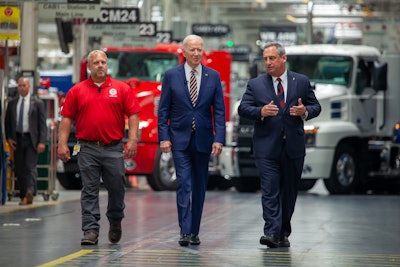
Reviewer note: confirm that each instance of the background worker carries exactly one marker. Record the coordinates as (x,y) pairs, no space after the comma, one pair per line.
(191,124)
(26,133)
(99,106)
(278,102)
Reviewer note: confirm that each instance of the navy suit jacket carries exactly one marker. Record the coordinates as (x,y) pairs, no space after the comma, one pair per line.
(267,136)
(176,111)
(37,120)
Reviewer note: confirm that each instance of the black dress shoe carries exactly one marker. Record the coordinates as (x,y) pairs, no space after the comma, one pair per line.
(115,232)
(284,242)
(184,240)
(269,240)
(194,240)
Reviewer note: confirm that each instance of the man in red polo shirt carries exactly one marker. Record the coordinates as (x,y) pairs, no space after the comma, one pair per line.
(99,106)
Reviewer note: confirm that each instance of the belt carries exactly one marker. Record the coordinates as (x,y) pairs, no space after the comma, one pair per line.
(23,134)
(101,143)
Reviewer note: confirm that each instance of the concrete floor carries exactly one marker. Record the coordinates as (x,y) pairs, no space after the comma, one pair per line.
(348,231)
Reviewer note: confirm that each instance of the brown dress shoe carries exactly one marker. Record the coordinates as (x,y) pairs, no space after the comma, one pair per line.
(29,197)
(89,238)
(24,201)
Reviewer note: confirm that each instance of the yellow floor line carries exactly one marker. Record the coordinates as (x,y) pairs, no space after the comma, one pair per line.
(66,258)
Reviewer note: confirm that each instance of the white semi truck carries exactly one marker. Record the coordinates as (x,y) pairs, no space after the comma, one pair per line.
(352,142)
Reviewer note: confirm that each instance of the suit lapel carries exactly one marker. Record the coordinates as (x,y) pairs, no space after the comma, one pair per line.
(184,82)
(32,103)
(203,81)
(269,84)
(291,85)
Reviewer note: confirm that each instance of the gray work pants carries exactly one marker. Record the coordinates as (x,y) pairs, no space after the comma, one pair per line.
(106,163)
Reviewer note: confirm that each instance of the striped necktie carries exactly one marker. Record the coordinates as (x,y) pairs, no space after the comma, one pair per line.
(193,87)
(280,93)
(193,92)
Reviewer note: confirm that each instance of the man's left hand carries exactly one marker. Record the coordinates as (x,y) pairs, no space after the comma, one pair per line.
(216,149)
(298,110)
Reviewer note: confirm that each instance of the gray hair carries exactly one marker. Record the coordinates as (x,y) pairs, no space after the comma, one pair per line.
(89,57)
(191,37)
(279,47)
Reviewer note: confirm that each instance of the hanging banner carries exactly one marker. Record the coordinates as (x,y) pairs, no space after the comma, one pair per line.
(9,23)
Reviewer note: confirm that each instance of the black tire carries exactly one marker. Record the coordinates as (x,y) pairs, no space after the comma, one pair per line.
(306,184)
(70,180)
(345,172)
(218,182)
(164,175)
(247,184)
(212,182)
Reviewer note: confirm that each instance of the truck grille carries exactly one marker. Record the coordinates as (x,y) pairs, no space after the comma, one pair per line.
(247,166)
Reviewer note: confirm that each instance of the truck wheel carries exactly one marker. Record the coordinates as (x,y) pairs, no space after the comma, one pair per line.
(246,184)
(164,176)
(306,184)
(345,173)
(70,180)
(212,182)
(219,182)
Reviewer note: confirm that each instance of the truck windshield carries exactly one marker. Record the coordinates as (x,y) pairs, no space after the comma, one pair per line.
(148,66)
(327,69)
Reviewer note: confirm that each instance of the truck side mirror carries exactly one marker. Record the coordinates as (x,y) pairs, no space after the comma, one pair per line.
(379,77)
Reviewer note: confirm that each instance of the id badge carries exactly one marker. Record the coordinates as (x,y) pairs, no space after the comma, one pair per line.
(77,148)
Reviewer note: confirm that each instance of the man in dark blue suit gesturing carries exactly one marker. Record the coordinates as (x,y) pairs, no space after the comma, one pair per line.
(278,102)
(191,124)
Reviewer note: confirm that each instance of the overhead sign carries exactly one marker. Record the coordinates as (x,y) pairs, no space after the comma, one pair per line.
(116,15)
(9,23)
(68,11)
(286,35)
(116,31)
(129,42)
(135,34)
(206,29)
(239,52)
(164,37)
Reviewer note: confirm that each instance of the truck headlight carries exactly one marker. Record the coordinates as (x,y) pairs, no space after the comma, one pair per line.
(246,130)
(310,135)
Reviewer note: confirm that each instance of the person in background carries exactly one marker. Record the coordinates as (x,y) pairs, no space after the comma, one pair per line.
(191,124)
(318,38)
(99,106)
(26,133)
(278,102)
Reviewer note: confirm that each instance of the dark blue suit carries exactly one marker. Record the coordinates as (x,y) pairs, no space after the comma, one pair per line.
(278,145)
(191,149)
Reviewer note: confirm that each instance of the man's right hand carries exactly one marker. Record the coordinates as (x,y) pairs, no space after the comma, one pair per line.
(269,110)
(165,146)
(12,143)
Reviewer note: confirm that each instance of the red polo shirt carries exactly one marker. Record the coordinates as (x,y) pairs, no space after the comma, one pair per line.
(100,112)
